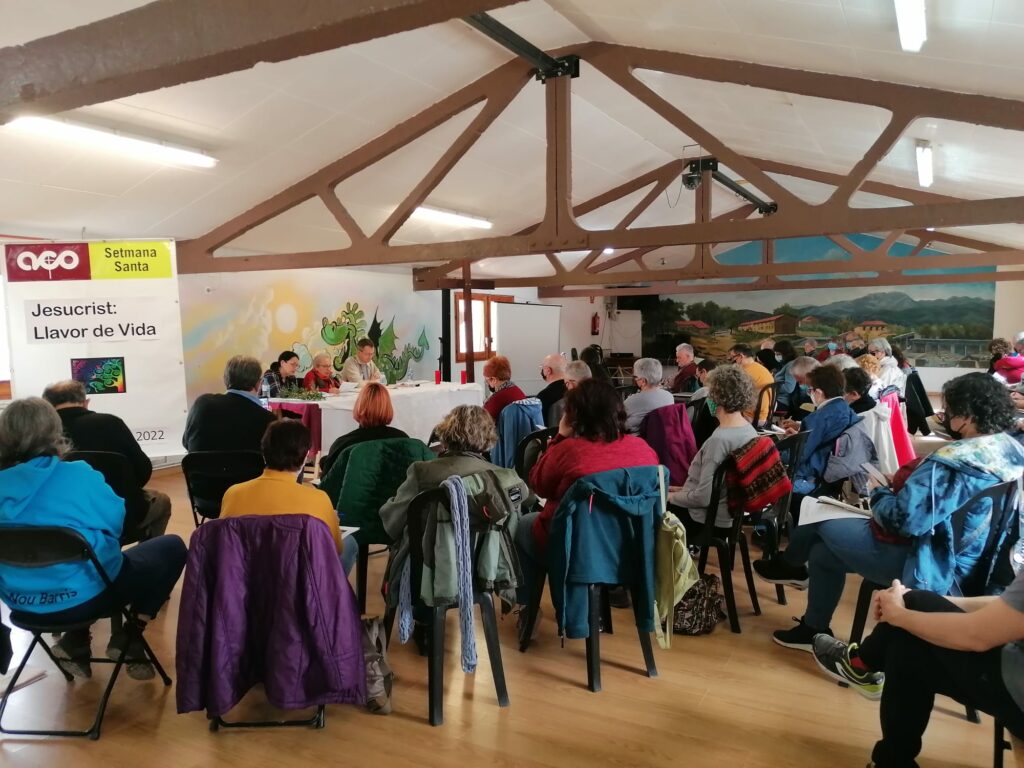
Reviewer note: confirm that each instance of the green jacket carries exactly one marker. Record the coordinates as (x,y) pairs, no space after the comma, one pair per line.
(496,564)
(365,476)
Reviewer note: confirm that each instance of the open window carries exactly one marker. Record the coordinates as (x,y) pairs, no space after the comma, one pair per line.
(483,325)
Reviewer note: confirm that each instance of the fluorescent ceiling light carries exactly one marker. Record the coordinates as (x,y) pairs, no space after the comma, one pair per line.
(97,138)
(910,20)
(608,251)
(450,218)
(925,177)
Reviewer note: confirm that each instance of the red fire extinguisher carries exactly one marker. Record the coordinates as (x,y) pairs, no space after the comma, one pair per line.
(595,324)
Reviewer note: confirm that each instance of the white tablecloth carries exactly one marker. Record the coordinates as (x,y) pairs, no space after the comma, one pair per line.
(417,409)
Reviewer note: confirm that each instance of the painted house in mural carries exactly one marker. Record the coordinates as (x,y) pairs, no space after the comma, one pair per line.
(869,328)
(693,326)
(776,324)
(808,322)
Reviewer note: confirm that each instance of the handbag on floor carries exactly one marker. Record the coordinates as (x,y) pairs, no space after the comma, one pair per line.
(700,610)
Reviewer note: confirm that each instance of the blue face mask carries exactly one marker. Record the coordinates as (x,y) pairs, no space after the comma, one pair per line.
(805,389)
(832,346)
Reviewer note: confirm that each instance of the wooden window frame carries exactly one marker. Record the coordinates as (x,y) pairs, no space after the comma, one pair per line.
(487,298)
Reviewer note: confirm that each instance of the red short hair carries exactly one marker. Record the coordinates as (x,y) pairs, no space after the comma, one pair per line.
(373,406)
(498,367)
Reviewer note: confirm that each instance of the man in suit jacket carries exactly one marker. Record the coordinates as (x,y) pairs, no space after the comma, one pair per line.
(233,421)
(146,512)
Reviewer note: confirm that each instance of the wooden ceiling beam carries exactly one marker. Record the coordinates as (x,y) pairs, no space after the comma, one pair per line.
(170,42)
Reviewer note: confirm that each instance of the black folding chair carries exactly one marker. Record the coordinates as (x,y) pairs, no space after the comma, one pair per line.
(530,449)
(120,476)
(791,450)
(421,506)
(208,475)
(43,546)
(769,395)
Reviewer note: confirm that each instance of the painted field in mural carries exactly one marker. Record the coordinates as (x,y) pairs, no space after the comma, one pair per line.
(936,325)
(309,312)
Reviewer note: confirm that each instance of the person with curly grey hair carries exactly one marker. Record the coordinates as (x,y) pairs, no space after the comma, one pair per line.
(647,374)
(732,392)
(39,489)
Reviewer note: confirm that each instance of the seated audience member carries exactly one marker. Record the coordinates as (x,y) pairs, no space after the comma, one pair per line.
(855,392)
(810,347)
(234,421)
(575,372)
(743,356)
(842,361)
(281,375)
(360,366)
(785,356)
(38,489)
(704,367)
(732,391)
(373,412)
(800,399)
(276,492)
(766,355)
(832,416)
(686,378)
(594,359)
(647,374)
(873,369)
(1017,398)
(1011,365)
(901,361)
(146,512)
(889,374)
(910,533)
(997,348)
(591,438)
(465,434)
(498,376)
(855,345)
(831,350)
(321,377)
(969,648)
(552,370)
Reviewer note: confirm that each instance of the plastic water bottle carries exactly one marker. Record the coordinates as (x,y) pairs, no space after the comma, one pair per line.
(265,395)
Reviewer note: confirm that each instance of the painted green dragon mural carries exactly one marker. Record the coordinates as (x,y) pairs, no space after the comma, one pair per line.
(342,333)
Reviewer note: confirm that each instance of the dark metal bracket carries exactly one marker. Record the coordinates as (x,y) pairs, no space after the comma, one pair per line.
(547,66)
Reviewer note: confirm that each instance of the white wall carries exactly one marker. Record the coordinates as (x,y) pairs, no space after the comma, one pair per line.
(1009,314)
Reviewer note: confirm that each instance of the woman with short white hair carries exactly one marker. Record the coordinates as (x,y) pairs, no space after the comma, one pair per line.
(890,374)
(647,373)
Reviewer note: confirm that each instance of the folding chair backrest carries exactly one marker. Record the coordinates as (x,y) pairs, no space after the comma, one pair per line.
(768,396)
(529,450)
(117,471)
(208,475)
(1004,499)
(791,449)
(43,546)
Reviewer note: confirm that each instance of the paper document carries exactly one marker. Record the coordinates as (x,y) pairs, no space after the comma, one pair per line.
(814,510)
(348,530)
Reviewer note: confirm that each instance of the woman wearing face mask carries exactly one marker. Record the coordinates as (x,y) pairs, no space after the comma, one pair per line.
(889,373)
(831,348)
(910,535)
(498,375)
(784,356)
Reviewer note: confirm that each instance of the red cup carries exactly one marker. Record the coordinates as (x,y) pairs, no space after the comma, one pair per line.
(437,377)
(462,376)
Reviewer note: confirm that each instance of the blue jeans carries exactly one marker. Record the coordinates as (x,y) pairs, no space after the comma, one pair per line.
(349,554)
(831,550)
(531,559)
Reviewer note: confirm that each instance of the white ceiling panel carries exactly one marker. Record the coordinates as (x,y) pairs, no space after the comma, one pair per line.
(308,226)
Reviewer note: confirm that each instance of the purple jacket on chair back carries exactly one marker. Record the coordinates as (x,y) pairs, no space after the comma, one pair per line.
(265,600)
(667,430)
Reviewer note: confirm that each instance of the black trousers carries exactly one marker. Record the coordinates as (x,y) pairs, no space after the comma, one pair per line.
(915,671)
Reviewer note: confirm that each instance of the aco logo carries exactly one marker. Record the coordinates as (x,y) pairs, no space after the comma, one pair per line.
(48,261)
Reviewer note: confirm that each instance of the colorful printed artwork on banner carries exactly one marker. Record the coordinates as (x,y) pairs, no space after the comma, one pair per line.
(100,375)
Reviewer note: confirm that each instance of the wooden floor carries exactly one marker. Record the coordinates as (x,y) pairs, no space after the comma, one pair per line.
(721,700)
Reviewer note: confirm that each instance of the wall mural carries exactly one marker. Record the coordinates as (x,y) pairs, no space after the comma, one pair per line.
(944,325)
(308,311)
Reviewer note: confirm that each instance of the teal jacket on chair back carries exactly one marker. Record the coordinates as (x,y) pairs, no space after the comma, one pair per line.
(603,533)
(365,476)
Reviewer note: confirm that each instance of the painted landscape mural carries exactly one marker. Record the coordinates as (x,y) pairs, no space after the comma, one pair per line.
(946,325)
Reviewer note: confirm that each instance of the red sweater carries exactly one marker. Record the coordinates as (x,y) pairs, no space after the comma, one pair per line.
(496,403)
(1010,367)
(568,459)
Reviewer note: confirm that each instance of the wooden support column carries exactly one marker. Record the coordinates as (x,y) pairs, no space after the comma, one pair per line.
(467,318)
(702,215)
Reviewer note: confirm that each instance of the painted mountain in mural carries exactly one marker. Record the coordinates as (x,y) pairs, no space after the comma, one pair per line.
(896,307)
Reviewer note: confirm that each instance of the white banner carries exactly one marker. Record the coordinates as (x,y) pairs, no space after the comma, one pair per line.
(106,314)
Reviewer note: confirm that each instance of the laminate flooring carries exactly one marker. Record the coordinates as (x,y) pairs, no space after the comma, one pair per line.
(719,700)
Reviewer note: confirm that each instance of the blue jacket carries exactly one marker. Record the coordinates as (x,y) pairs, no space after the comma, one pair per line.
(517,420)
(603,533)
(785,377)
(923,508)
(825,426)
(48,491)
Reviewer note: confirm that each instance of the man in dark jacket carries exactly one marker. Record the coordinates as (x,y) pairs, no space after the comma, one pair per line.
(233,421)
(146,512)
(552,370)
